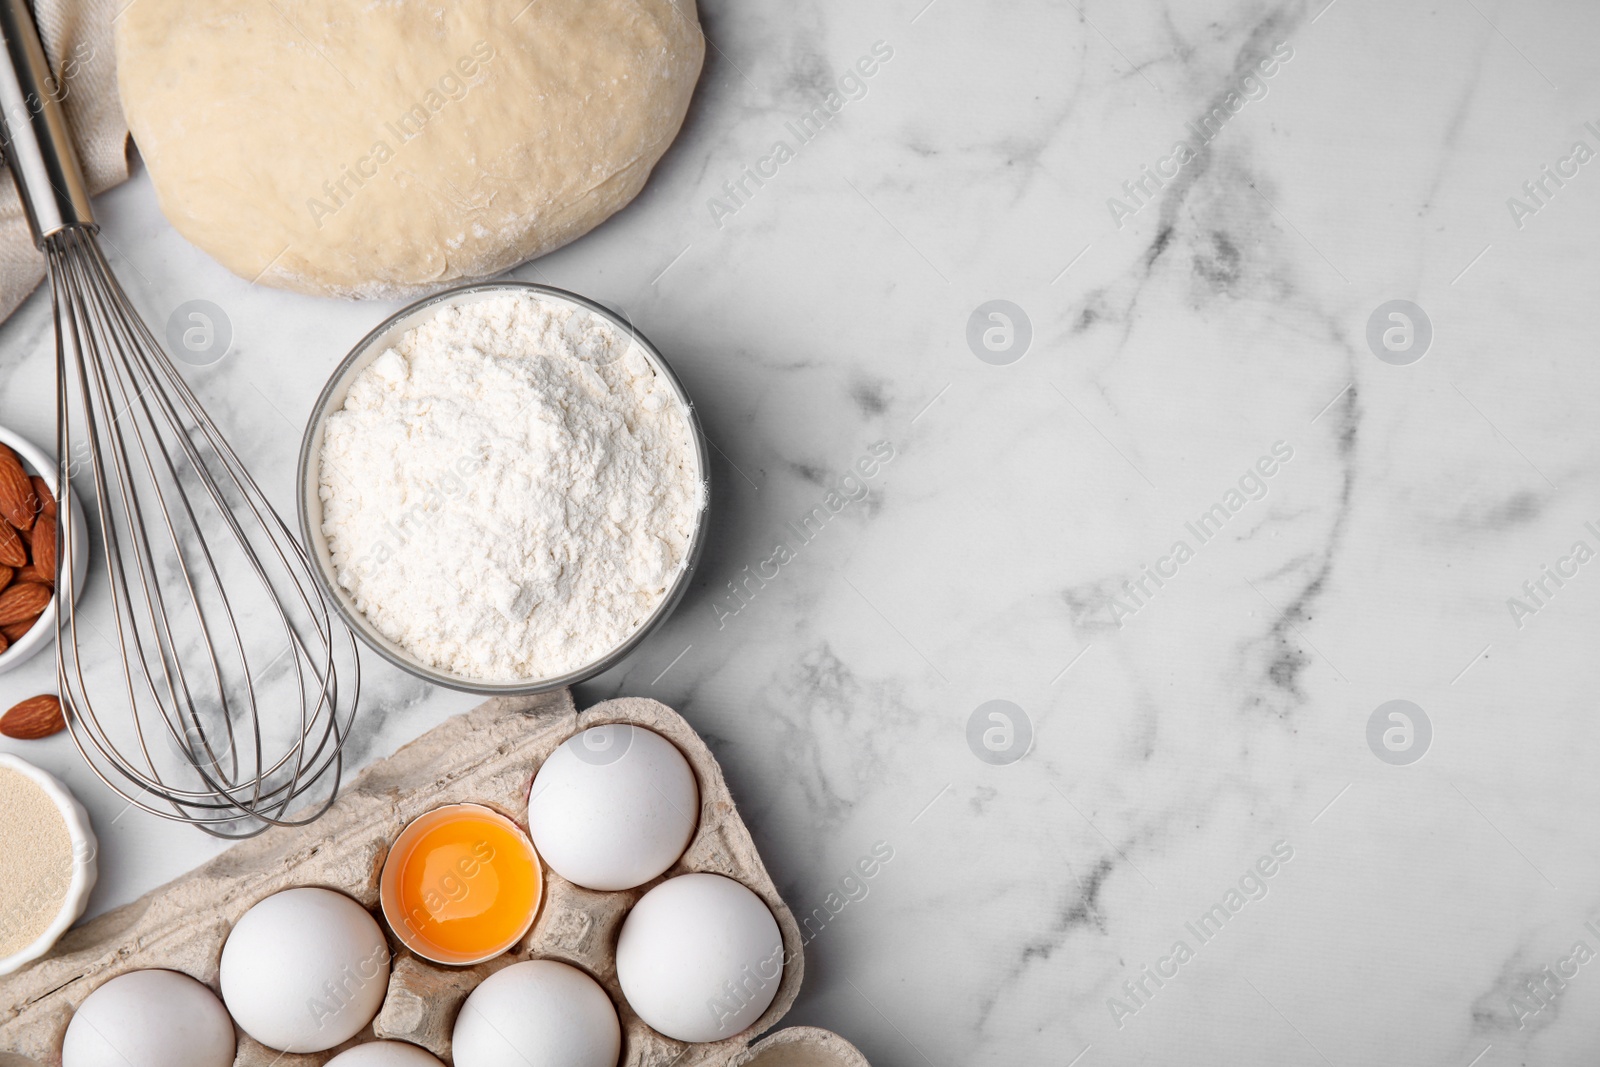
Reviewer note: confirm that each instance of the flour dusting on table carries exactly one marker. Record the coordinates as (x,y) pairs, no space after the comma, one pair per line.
(509,491)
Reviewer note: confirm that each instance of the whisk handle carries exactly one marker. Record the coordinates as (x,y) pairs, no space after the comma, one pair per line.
(33,127)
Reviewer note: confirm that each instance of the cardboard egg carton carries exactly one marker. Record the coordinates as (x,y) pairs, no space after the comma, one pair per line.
(487,756)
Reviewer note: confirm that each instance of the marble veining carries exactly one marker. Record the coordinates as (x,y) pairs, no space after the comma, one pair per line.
(1440,912)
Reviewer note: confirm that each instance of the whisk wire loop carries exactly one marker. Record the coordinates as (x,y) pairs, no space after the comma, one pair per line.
(172,496)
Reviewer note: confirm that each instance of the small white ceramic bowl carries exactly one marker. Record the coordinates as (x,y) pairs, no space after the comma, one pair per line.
(85,869)
(44,631)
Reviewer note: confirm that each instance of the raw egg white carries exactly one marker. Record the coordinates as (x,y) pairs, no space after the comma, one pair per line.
(304,970)
(700,957)
(384,1054)
(537,1014)
(613,807)
(150,1019)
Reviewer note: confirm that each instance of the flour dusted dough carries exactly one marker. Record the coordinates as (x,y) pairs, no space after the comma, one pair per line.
(383,148)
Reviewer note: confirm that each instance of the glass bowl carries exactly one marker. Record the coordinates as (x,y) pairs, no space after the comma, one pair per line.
(332,399)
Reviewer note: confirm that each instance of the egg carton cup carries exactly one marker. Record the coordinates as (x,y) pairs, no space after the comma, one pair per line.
(487,756)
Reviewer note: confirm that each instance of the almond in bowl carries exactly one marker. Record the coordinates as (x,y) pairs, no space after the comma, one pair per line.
(30,550)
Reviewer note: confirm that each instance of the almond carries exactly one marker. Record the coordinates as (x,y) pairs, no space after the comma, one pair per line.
(47,499)
(34,718)
(23,600)
(12,552)
(15,631)
(30,573)
(44,547)
(5,643)
(6,574)
(18,502)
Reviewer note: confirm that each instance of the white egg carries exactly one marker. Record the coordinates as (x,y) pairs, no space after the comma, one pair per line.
(150,1019)
(384,1054)
(700,957)
(537,1014)
(613,807)
(304,970)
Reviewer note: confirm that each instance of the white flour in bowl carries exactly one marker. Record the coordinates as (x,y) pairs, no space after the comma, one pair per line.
(509,491)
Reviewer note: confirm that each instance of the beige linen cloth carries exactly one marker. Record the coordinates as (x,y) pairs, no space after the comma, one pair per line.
(77,38)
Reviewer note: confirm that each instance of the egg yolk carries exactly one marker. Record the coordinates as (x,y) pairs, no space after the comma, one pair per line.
(469,885)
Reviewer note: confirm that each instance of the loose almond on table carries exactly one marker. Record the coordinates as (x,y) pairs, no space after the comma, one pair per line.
(34,718)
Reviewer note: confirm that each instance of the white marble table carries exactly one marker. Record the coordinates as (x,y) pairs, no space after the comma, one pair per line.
(1172,734)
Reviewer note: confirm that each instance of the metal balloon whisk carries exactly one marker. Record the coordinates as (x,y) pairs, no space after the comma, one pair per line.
(208,682)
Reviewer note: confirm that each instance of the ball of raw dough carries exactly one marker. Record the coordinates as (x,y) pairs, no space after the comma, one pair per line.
(381,150)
